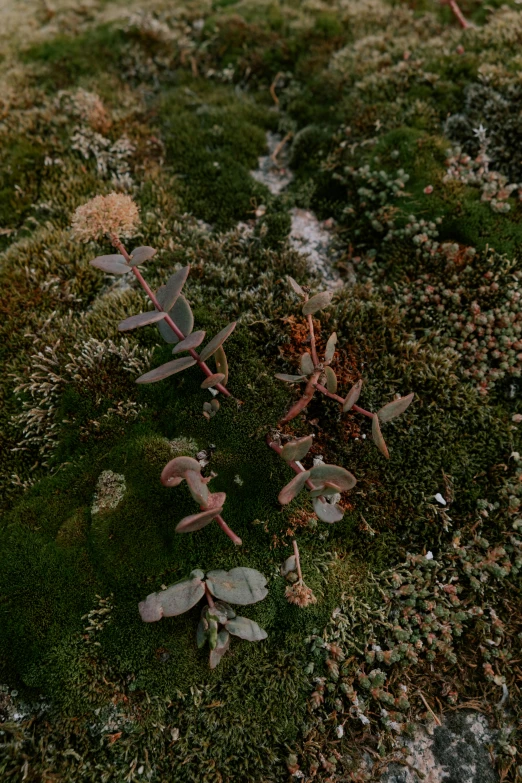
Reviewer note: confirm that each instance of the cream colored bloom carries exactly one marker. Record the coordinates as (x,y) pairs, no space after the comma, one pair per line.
(112,214)
(300,594)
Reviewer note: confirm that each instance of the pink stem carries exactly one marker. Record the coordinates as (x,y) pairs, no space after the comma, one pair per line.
(208,372)
(459,15)
(355,408)
(208,596)
(312,340)
(297,560)
(225,528)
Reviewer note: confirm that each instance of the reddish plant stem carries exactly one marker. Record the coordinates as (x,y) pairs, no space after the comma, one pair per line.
(177,331)
(295,467)
(225,528)
(305,400)
(355,408)
(297,560)
(208,596)
(315,358)
(458,14)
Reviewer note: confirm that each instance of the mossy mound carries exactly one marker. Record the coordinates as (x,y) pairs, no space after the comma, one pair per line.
(416,585)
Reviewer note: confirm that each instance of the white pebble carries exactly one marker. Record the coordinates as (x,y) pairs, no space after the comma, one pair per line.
(440,499)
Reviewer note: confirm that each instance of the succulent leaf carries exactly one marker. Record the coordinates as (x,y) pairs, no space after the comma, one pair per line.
(246,629)
(290,378)
(176,599)
(352,396)
(212,631)
(114,264)
(165,370)
(295,286)
(143,319)
(335,474)
(331,380)
(182,316)
(327,512)
(212,380)
(395,408)
(217,341)
(220,359)
(297,449)
(307,365)
(317,302)
(240,586)
(198,488)
(327,490)
(330,348)
(192,341)
(222,645)
(293,488)
(197,521)
(141,254)
(377,437)
(176,469)
(201,634)
(167,294)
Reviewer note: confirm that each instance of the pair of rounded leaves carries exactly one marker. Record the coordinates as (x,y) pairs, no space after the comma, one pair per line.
(240,586)
(315,303)
(116,264)
(388,412)
(219,639)
(328,480)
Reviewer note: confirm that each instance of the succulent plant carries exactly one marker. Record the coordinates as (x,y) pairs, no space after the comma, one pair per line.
(324,481)
(296,592)
(211,504)
(173,317)
(317,373)
(240,586)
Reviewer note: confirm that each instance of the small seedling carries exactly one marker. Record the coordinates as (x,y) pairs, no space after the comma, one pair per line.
(211,504)
(317,373)
(111,215)
(322,480)
(240,586)
(297,592)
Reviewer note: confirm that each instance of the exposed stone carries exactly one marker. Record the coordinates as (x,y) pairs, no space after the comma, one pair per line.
(109,491)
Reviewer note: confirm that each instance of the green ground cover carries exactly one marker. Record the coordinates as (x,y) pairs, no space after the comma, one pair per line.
(173,105)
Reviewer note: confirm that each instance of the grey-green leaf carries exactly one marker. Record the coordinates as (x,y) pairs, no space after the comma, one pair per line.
(377,437)
(293,488)
(170,368)
(327,512)
(240,586)
(246,629)
(297,449)
(222,645)
(182,316)
(201,634)
(326,491)
(176,599)
(317,302)
(334,473)
(331,380)
(217,341)
(395,408)
(192,341)
(212,380)
(174,471)
(295,286)
(330,348)
(197,486)
(220,359)
(114,264)
(289,378)
(143,319)
(307,365)
(352,396)
(141,254)
(167,295)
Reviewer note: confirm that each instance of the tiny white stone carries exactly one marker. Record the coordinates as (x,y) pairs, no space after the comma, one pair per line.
(440,499)
(429,555)
(364,437)
(339,731)
(515,455)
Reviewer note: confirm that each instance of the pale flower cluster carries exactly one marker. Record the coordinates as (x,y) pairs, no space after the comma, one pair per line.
(300,594)
(113,214)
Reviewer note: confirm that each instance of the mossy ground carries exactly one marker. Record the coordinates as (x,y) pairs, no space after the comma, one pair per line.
(185,98)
